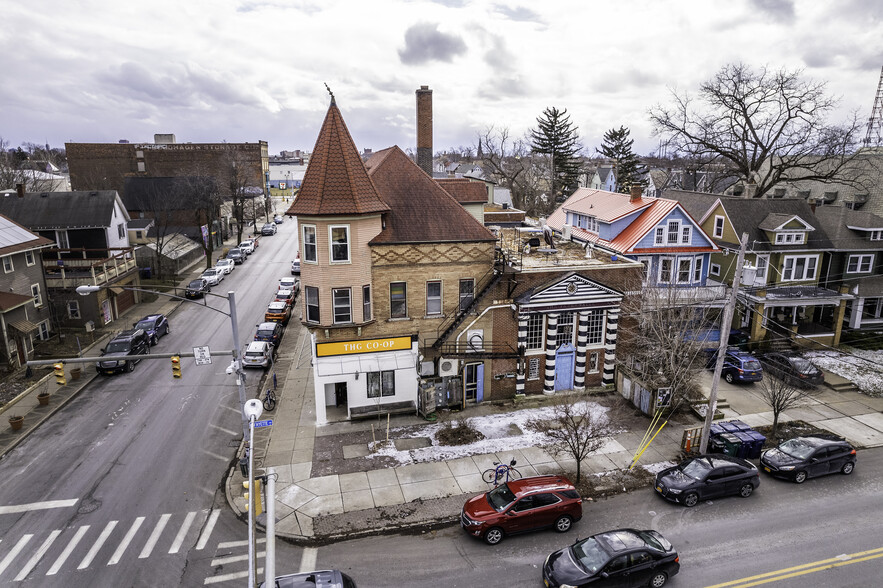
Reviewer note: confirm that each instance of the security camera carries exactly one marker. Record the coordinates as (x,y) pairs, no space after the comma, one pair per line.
(230,370)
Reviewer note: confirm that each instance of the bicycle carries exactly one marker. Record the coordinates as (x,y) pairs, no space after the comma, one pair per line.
(501,470)
(269,400)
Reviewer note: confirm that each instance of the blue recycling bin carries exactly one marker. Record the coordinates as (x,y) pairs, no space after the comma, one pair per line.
(757,446)
(741,426)
(716,429)
(734,426)
(746,447)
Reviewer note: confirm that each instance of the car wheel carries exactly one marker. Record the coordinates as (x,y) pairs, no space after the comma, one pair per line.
(746,490)
(130,366)
(563,524)
(154,340)
(493,536)
(658,580)
(729,377)
(691,499)
(800,477)
(847,468)
(168,330)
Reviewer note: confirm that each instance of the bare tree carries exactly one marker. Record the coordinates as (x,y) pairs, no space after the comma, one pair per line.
(766,126)
(15,169)
(577,428)
(512,162)
(780,395)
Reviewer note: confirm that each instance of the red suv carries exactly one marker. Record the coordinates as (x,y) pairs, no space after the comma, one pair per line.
(522,505)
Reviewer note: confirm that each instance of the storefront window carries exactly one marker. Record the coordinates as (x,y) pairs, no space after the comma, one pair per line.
(381,384)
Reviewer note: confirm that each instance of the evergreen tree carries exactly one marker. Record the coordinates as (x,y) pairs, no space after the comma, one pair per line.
(557,137)
(618,147)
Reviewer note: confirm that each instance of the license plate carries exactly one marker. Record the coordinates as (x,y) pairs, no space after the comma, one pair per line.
(766,469)
(659,488)
(546,582)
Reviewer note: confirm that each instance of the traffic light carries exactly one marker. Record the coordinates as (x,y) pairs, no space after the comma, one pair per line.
(258,504)
(176,366)
(59,374)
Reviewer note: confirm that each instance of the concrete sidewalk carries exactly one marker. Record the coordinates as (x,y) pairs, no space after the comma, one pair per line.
(316,508)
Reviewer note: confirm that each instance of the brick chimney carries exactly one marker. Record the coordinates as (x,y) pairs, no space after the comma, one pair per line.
(424,129)
(20,190)
(635,193)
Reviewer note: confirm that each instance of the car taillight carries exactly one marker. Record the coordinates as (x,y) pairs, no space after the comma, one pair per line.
(852,452)
(677,559)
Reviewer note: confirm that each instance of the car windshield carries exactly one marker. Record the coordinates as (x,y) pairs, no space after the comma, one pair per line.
(117,347)
(655,540)
(146,324)
(195,284)
(798,448)
(265,332)
(589,554)
(500,497)
(209,272)
(695,468)
(283,295)
(751,364)
(803,366)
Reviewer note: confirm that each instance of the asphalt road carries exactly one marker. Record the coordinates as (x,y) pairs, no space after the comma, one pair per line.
(137,460)
(724,543)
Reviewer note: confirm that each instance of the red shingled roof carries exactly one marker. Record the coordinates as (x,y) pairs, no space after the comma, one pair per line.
(465,191)
(420,211)
(336,181)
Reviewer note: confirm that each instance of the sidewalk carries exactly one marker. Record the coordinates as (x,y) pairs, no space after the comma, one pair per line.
(327,489)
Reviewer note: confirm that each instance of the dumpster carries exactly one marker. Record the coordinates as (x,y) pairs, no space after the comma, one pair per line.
(732,444)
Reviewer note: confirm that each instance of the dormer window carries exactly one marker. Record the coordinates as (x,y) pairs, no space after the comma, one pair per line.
(586,222)
(790,238)
(876,235)
(673,233)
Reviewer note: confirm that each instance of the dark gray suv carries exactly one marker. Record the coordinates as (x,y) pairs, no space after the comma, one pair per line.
(130,342)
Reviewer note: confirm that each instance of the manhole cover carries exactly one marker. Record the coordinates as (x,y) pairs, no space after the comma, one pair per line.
(88,506)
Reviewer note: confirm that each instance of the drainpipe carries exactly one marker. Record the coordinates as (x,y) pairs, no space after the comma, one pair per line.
(512,306)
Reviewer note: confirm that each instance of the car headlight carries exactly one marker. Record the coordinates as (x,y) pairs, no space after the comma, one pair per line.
(786,468)
(674,491)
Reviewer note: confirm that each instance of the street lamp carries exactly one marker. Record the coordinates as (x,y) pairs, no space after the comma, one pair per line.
(251,411)
(236,365)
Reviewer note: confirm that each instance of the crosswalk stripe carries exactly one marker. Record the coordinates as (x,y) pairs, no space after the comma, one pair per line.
(154,537)
(182,532)
(228,577)
(15,551)
(108,528)
(243,543)
(16,508)
(121,549)
(67,550)
(308,559)
(32,563)
(234,558)
(207,531)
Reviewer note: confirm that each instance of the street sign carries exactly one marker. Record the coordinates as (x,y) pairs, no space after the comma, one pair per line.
(267,423)
(663,397)
(203,355)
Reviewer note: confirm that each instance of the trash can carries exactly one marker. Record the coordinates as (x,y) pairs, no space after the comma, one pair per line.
(746,449)
(732,444)
(757,447)
(740,425)
(717,429)
(716,445)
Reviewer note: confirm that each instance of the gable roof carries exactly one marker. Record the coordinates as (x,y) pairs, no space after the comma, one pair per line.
(848,229)
(465,191)
(419,210)
(775,221)
(606,206)
(746,216)
(336,181)
(62,210)
(604,171)
(15,238)
(697,204)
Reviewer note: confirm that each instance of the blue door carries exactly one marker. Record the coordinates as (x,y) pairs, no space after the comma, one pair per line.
(564,360)
(473,382)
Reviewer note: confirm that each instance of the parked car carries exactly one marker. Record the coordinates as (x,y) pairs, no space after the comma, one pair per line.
(808,457)
(739,366)
(226,265)
(258,354)
(155,325)
(709,476)
(213,276)
(247,247)
(236,255)
(738,339)
(268,229)
(129,342)
(278,219)
(286,296)
(793,369)
(522,505)
(323,578)
(197,288)
(271,332)
(625,557)
(295,266)
(288,284)
(278,312)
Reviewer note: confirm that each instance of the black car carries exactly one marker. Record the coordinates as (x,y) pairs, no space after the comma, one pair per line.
(269,332)
(807,457)
(793,369)
(709,476)
(324,578)
(197,288)
(237,255)
(625,557)
(130,342)
(155,325)
(268,229)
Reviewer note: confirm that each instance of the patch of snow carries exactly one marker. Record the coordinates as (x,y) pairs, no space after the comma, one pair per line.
(655,468)
(862,368)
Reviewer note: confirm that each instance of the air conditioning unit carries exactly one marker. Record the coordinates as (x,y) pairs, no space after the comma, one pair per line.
(447,367)
(566,232)
(427,368)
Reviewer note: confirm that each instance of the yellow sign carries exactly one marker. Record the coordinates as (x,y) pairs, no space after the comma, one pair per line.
(366,346)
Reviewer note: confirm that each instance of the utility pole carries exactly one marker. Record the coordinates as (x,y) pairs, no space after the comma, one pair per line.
(727,319)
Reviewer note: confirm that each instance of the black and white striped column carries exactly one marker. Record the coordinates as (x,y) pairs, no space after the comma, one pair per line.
(551,345)
(522,345)
(609,378)
(582,336)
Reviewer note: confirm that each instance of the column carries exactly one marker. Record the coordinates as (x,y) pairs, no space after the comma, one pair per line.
(551,335)
(609,377)
(582,336)
(520,374)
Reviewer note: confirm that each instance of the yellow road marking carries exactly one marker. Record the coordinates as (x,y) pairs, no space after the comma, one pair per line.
(816,566)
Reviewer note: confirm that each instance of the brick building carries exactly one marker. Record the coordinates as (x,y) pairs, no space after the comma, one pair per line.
(412,303)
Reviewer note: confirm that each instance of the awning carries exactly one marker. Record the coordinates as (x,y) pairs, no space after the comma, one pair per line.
(23,326)
(116,290)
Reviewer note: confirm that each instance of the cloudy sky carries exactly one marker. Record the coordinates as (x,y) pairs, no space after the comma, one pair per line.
(249,70)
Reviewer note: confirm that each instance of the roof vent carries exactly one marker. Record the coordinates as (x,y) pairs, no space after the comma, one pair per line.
(44,194)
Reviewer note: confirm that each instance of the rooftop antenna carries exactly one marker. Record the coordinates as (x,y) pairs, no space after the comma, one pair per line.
(874,137)
(330,93)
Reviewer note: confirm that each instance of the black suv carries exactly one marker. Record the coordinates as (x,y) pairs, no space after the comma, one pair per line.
(131,342)
(807,457)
